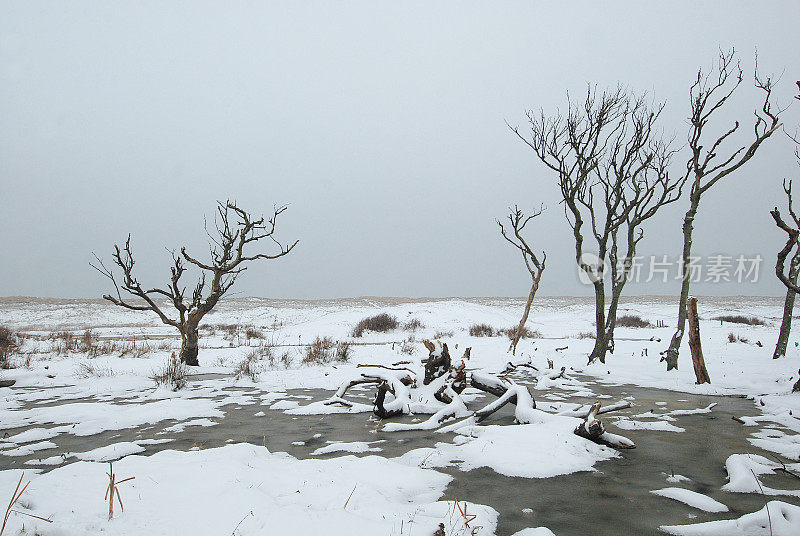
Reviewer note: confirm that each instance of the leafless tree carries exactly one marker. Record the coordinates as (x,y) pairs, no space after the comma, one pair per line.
(790,279)
(612,168)
(235,230)
(711,159)
(517,222)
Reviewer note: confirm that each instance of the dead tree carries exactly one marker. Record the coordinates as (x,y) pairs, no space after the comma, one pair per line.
(710,160)
(517,221)
(235,231)
(700,371)
(790,279)
(612,168)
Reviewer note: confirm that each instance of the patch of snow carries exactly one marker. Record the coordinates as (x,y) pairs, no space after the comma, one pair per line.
(692,498)
(354,447)
(109,452)
(777,518)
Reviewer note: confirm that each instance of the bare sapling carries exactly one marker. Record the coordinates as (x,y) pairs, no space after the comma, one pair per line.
(517,222)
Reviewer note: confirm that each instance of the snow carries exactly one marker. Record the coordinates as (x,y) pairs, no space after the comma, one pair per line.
(40,410)
(539,531)
(743,471)
(354,447)
(676,479)
(692,498)
(109,453)
(215,491)
(661,426)
(525,450)
(777,518)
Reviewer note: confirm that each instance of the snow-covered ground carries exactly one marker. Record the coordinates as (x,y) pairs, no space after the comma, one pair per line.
(70,412)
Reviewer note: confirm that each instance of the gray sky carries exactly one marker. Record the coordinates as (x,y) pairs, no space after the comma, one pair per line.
(381,124)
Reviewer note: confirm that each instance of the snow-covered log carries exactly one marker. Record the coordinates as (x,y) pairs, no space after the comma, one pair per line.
(592,429)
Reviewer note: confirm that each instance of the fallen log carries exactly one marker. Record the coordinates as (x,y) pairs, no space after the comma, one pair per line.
(593,429)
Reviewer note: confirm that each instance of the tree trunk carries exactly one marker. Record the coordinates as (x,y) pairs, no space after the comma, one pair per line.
(601,337)
(525,313)
(688,226)
(700,371)
(190,346)
(788,308)
(611,319)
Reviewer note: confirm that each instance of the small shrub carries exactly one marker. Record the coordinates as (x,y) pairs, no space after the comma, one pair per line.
(319,352)
(253,333)
(526,333)
(741,319)
(413,325)
(632,321)
(737,338)
(8,345)
(87,341)
(586,335)
(407,346)
(247,367)
(286,359)
(481,330)
(380,323)
(173,374)
(134,349)
(229,331)
(89,370)
(443,334)
(343,351)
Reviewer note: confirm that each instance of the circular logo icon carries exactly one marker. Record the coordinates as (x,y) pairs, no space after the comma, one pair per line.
(590,269)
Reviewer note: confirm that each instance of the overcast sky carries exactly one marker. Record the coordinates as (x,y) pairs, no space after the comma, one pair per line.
(382,125)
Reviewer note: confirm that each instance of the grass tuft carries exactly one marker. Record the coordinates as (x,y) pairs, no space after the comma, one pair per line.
(382,322)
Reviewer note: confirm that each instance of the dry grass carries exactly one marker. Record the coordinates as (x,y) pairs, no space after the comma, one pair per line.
(325,350)
(632,321)
(112,490)
(741,319)
(247,367)
(173,374)
(586,335)
(14,499)
(481,330)
(66,342)
(732,337)
(381,323)
(8,345)
(89,370)
(526,333)
(441,334)
(407,347)
(413,325)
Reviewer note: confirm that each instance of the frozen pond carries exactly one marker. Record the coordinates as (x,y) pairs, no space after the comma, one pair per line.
(612,499)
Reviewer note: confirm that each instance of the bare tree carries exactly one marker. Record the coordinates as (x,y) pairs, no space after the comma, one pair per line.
(706,166)
(235,230)
(612,168)
(790,280)
(517,222)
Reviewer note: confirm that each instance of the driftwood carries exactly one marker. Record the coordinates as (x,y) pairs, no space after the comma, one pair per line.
(444,382)
(593,429)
